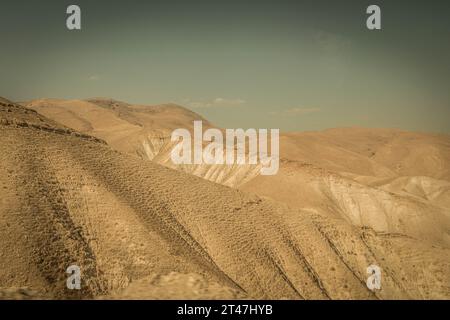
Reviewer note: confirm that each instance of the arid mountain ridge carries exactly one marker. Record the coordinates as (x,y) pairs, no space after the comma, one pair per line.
(71,194)
(387,179)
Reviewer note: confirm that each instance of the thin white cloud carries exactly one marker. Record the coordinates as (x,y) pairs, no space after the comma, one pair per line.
(94,77)
(215,103)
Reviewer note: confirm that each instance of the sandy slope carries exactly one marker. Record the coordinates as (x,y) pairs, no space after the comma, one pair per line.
(372,152)
(139,130)
(136,129)
(381,207)
(390,180)
(387,179)
(145,131)
(138,229)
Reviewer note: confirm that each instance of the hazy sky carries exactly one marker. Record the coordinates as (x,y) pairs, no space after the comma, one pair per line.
(293,65)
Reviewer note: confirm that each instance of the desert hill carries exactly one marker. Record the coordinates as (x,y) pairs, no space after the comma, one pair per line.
(136,129)
(140,130)
(394,206)
(371,152)
(145,131)
(387,179)
(139,229)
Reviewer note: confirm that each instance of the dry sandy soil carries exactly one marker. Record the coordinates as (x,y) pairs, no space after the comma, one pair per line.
(87,183)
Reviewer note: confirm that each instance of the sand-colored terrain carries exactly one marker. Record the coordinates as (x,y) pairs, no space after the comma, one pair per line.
(140,130)
(86,195)
(387,179)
